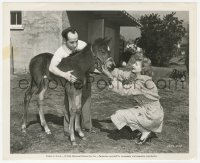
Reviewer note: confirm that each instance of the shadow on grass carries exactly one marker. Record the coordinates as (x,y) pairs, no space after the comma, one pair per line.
(49,118)
(124,133)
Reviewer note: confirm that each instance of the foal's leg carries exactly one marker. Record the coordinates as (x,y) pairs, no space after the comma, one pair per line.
(28,95)
(66,113)
(40,106)
(72,111)
(78,99)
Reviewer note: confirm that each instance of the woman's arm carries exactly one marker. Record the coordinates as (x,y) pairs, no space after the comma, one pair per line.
(120,74)
(124,90)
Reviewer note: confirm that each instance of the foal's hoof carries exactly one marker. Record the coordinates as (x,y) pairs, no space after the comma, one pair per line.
(23,130)
(83,138)
(48,132)
(74,143)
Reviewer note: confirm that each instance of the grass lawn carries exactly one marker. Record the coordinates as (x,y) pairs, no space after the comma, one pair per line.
(173,139)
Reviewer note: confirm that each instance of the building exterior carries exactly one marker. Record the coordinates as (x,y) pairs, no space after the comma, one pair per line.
(35,32)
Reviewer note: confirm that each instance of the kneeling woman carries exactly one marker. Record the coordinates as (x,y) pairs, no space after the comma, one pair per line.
(147,116)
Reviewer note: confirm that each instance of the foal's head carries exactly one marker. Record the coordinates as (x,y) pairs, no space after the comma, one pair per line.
(101,50)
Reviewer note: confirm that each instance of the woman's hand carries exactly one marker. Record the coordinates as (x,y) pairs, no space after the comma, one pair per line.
(106,72)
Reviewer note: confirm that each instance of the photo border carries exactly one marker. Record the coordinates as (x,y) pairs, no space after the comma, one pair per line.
(164,6)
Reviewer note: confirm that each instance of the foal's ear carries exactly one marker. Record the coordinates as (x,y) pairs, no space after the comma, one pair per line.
(107,40)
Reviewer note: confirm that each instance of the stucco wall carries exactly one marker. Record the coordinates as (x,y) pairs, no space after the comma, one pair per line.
(41,33)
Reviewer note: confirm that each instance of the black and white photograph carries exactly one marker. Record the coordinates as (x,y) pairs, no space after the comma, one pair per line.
(94,81)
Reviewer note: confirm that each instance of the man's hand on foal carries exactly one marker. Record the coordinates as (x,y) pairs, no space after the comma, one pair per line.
(68,76)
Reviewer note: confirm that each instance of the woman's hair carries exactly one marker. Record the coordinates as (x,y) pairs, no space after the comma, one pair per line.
(146,67)
(146,64)
(134,57)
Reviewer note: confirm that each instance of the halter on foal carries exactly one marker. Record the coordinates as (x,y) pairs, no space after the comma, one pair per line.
(82,63)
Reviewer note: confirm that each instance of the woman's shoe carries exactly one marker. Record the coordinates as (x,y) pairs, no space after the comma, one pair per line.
(147,139)
(139,135)
(136,134)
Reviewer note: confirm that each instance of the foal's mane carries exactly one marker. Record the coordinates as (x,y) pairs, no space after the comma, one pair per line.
(82,52)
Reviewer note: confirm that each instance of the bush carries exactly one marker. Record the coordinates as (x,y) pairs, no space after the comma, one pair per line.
(159,37)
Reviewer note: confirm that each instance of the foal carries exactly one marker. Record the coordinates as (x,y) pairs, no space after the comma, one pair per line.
(82,63)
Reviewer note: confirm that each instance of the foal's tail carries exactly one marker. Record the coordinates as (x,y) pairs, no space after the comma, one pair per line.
(41,86)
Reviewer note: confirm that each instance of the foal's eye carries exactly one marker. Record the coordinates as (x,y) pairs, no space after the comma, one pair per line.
(103,51)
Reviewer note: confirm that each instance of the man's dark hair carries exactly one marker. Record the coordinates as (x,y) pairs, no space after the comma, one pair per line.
(66,31)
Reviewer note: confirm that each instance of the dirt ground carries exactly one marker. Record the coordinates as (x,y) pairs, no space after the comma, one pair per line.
(173,139)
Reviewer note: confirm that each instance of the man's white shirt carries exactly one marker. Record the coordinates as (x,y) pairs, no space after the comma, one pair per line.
(64,52)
